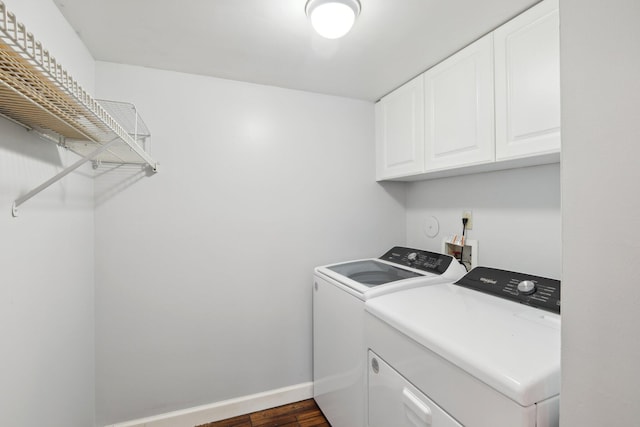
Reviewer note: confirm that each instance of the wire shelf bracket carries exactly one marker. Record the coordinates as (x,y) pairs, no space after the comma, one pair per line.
(58,177)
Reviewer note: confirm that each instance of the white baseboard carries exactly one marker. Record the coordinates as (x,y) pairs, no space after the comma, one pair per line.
(226,409)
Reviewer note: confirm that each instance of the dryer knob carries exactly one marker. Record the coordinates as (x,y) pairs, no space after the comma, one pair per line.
(412,256)
(526,287)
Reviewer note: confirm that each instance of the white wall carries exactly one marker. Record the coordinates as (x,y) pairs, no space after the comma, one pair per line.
(204,270)
(46,287)
(516,216)
(43,19)
(600,56)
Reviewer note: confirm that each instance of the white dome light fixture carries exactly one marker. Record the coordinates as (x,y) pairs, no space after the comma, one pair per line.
(332,18)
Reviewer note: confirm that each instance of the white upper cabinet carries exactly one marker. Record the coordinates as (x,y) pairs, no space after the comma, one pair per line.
(400,131)
(459,111)
(527,79)
(493,105)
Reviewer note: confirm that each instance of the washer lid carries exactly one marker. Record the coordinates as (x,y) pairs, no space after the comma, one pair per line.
(511,347)
(399,268)
(367,278)
(372,272)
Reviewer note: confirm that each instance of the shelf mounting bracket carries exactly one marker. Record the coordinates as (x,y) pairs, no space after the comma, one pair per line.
(89,157)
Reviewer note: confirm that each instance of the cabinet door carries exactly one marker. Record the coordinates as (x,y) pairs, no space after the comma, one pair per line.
(459,125)
(400,132)
(527,68)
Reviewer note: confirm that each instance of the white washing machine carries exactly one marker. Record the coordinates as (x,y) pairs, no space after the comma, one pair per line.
(339,295)
(481,352)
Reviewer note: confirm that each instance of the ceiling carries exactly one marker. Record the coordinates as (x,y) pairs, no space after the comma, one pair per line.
(271,41)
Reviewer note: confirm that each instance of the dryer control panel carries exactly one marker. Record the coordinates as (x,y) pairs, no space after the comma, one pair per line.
(536,291)
(418,259)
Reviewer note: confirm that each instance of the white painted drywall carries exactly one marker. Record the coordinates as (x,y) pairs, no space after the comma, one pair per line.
(600,57)
(44,20)
(204,270)
(516,216)
(47,253)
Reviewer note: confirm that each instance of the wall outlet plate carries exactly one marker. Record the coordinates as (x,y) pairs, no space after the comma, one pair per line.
(469,216)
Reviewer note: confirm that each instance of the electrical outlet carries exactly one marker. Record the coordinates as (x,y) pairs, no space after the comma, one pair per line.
(469,216)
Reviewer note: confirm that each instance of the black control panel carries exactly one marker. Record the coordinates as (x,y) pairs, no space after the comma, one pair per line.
(535,291)
(418,259)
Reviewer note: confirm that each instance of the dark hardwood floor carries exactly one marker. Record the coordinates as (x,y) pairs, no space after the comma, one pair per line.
(300,414)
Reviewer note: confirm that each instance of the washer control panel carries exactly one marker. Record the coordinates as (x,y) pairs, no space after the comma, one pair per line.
(536,291)
(418,259)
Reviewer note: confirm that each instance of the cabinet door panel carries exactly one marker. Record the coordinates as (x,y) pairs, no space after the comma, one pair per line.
(459,124)
(527,67)
(454,93)
(400,131)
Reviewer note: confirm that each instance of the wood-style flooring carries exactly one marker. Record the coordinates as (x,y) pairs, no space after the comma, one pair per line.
(300,414)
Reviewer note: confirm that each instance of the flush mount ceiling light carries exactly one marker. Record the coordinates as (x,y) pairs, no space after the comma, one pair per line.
(332,18)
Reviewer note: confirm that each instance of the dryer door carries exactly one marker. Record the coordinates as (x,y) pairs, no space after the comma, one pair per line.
(393,401)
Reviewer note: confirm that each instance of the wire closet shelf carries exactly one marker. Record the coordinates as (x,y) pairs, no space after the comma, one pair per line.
(37,93)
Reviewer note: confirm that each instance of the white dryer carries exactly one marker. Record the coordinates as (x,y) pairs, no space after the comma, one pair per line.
(481,352)
(339,295)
